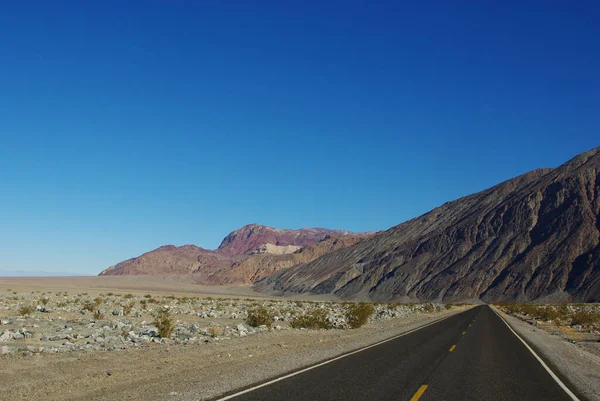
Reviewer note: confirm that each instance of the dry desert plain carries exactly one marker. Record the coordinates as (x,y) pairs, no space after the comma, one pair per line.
(98,338)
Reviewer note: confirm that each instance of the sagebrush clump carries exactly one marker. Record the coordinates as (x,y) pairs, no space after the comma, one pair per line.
(358,314)
(26,310)
(259,316)
(585,318)
(314,319)
(164,323)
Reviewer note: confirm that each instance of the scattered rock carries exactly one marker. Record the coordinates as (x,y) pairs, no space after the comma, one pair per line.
(7,335)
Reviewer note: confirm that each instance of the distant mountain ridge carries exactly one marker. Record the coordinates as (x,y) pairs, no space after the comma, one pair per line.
(250,237)
(244,256)
(536,236)
(38,273)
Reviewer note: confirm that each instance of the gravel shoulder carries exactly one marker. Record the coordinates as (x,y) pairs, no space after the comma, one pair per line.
(188,373)
(572,361)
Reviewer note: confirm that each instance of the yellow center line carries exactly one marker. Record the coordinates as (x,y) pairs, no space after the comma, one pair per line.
(452,348)
(464,333)
(419,393)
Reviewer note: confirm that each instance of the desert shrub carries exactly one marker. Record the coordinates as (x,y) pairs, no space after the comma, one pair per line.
(89,306)
(510,308)
(147,296)
(127,308)
(110,294)
(128,296)
(448,306)
(549,313)
(214,331)
(530,310)
(315,318)
(258,316)
(44,301)
(358,314)
(98,315)
(428,308)
(584,318)
(298,304)
(26,310)
(98,301)
(164,323)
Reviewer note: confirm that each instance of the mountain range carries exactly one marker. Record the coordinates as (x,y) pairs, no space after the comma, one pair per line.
(533,237)
(244,256)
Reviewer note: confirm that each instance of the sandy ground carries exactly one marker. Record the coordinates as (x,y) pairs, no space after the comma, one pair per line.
(185,372)
(574,362)
(156,285)
(159,285)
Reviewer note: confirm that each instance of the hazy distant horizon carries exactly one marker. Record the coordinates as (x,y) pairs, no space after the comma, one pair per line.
(38,273)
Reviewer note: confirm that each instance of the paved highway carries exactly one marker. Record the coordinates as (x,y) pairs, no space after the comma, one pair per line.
(469,356)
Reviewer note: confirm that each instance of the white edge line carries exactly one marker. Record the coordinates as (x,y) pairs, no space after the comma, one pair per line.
(333,359)
(552,374)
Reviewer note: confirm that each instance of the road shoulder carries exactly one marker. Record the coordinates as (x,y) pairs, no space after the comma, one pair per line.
(579,367)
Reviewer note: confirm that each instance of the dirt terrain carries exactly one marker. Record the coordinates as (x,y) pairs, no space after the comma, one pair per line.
(184,373)
(100,343)
(160,285)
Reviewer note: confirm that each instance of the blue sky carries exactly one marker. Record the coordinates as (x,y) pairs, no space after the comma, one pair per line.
(128,125)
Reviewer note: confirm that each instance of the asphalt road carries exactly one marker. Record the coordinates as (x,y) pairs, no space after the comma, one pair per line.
(469,356)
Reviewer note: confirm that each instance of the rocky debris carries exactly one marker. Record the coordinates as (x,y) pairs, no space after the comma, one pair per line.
(43,309)
(277,249)
(536,236)
(7,335)
(78,323)
(583,318)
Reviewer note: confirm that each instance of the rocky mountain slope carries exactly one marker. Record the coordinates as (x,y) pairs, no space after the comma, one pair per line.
(531,237)
(170,259)
(236,262)
(257,266)
(249,238)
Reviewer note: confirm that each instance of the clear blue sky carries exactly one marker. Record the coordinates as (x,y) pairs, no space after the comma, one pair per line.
(128,125)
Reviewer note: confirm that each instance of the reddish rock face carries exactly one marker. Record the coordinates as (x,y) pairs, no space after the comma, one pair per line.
(169,259)
(536,236)
(248,238)
(233,263)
